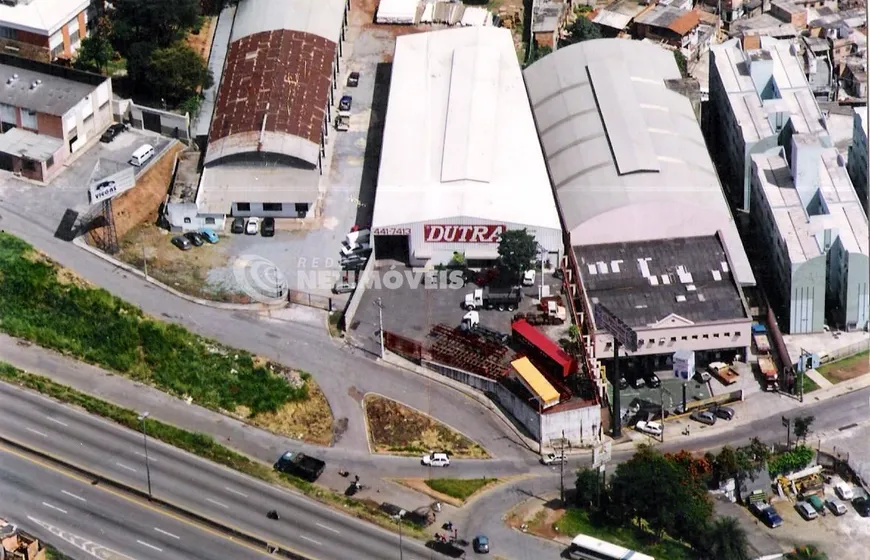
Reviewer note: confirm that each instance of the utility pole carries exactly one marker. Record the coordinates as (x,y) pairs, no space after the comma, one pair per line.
(543,253)
(562,471)
(787,423)
(380,305)
(142,419)
(399,525)
(145,261)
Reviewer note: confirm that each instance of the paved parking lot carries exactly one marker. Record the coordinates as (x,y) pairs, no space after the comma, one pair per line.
(670,393)
(412,311)
(46,205)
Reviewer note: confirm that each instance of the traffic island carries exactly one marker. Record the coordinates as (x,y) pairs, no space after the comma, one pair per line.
(454,491)
(396,429)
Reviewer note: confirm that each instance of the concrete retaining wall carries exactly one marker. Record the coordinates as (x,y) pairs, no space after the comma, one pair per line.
(361,285)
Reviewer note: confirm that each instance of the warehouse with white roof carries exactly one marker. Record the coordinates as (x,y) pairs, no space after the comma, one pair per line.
(460,161)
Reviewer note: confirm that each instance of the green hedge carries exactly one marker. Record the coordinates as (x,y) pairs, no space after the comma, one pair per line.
(791,461)
(94,326)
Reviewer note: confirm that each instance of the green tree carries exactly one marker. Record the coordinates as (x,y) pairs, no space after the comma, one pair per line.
(806,552)
(802,427)
(175,73)
(725,539)
(736,464)
(516,250)
(95,54)
(581,30)
(588,488)
(538,53)
(682,63)
(652,488)
(161,22)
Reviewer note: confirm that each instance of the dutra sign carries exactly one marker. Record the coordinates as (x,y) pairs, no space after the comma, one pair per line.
(448,233)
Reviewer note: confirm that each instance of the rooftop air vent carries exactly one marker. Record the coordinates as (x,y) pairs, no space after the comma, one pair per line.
(681,298)
(717,276)
(690,288)
(35,84)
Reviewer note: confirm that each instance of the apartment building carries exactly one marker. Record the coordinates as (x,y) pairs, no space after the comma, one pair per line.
(48,113)
(44,30)
(858,163)
(807,215)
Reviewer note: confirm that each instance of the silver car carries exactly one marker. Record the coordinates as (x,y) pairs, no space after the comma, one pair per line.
(807,511)
(344,287)
(704,417)
(836,507)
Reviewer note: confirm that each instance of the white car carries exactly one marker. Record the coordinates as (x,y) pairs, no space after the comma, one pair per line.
(652,428)
(435,460)
(844,491)
(252,227)
(529,278)
(552,459)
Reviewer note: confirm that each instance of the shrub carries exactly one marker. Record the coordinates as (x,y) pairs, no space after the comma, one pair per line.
(791,461)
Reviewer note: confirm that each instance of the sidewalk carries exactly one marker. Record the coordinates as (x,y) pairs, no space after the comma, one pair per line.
(254,442)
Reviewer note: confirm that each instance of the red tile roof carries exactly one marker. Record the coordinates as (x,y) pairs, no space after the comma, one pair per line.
(685,23)
(290,72)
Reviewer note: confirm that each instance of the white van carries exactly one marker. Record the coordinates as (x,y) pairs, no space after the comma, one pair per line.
(142,154)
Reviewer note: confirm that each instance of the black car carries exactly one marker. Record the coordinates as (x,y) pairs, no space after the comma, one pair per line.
(480,544)
(268,227)
(636,381)
(345,102)
(194,238)
(182,242)
(652,380)
(862,506)
(112,132)
(723,412)
(353,79)
(238,225)
(623,384)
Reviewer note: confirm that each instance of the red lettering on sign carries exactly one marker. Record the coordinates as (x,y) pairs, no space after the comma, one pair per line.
(450,233)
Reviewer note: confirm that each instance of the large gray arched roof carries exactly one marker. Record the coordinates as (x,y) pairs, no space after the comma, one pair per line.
(625,153)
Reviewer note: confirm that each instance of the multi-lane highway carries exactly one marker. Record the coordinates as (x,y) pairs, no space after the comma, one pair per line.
(86,520)
(305,527)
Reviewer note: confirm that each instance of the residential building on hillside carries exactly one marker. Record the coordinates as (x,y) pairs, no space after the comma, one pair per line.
(857,162)
(807,215)
(45,30)
(48,113)
(670,25)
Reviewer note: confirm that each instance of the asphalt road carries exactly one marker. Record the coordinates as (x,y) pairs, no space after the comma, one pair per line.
(81,519)
(306,527)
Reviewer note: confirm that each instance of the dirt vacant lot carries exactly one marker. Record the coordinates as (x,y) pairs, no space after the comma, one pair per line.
(847,368)
(397,429)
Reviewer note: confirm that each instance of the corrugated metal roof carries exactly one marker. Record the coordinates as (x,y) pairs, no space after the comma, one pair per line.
(273,96)
(223,185)
(535,382)
(458,112)
(600,204)
(323,18)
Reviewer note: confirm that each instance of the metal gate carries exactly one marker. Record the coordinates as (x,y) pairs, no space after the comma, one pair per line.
(151,121)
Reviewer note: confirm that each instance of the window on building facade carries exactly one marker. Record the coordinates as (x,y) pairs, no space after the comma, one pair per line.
(272,207)
(57,51)
(186,220)
(209,221)
(301,207)
(7,33)
(49,162)
(243,206)
(28,119)
(74,37)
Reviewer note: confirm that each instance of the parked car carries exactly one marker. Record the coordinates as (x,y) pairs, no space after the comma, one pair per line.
(268,227)
(552,459)
(652,380)
(238,225)
(806,510)
(182,242)
(844,491)
(702,376)
(636,381)
(836,507)
(767,513)
(435,460)
(344,287)
(817,503)
(623,384)
(353,262)
(194,238)
(723,412)
(529,278)
(704,417)
(209,235)
(252,227)
(651,428)
(112,132)
(345,102)
(480,544)
(353,79)
(862,506)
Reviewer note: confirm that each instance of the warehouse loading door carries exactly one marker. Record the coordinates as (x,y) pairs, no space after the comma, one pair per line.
(393,248)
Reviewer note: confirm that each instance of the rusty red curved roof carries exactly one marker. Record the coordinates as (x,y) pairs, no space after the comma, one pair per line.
(281,76)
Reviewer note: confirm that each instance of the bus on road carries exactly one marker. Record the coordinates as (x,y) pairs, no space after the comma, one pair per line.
(584,547)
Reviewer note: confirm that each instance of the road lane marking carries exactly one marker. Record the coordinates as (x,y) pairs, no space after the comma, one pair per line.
(37,432)
(228,489)
(48,505)
(143,543)
(167,533)
(126,467)
(150,459)
(25,456)
(56,421)
(322,526)
(217,503)
(71,495)
(310,540)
